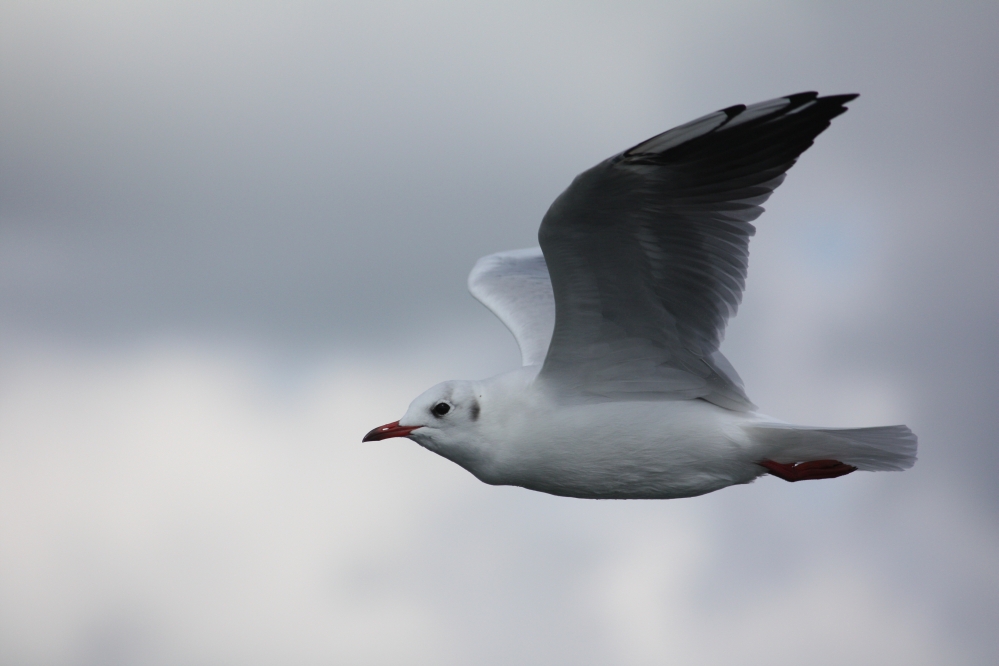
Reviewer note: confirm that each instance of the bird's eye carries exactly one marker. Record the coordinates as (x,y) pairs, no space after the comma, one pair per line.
(441,408)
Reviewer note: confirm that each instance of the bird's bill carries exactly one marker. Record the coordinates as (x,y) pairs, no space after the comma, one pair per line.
(389,430)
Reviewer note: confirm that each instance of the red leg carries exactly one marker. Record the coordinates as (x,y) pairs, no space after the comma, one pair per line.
(807,471)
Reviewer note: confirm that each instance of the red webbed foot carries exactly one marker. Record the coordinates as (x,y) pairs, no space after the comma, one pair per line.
(807,471)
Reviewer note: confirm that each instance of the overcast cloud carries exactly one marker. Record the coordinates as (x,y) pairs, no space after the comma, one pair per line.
(234,238)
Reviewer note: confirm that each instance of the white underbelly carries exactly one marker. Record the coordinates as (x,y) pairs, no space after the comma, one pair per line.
(630,450)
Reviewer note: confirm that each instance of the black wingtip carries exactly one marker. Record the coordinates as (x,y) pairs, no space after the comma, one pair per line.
(835,105)
(734,110)
(793,121)
(843,99)
(797,99)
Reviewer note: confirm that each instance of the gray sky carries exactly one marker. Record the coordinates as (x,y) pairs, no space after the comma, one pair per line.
(234,238)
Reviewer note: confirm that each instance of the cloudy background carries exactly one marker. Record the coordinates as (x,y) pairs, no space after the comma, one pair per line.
(233,238)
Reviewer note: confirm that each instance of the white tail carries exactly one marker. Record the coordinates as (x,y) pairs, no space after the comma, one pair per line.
(885,448)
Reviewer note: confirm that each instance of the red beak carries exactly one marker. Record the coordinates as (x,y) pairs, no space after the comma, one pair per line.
(389,430)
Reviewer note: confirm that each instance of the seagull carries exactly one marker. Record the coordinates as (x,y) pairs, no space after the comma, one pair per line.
(619,314)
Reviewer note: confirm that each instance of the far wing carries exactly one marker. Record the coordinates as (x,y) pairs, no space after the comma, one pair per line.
(648,252)
(516,287)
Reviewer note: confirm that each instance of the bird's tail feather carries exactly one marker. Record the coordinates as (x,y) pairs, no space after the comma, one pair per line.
(884,448)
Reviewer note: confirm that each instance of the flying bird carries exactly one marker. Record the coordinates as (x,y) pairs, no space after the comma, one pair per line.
(623,392)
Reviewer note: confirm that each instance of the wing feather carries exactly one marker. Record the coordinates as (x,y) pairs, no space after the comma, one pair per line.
(515,286)
(648,252)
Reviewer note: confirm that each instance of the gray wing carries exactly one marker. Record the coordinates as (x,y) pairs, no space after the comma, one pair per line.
(648,252)
(516,287)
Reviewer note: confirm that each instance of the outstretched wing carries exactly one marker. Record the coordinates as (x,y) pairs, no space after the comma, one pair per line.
(516,287)
(648,252)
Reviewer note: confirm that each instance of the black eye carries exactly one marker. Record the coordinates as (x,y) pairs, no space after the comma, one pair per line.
(441,408)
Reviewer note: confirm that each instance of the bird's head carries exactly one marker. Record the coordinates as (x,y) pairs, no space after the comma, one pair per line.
(443,419)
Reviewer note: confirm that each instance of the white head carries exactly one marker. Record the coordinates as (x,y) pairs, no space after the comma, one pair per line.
(445,419)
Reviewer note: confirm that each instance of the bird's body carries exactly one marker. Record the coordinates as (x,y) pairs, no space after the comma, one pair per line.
(623,392)
(524,436)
